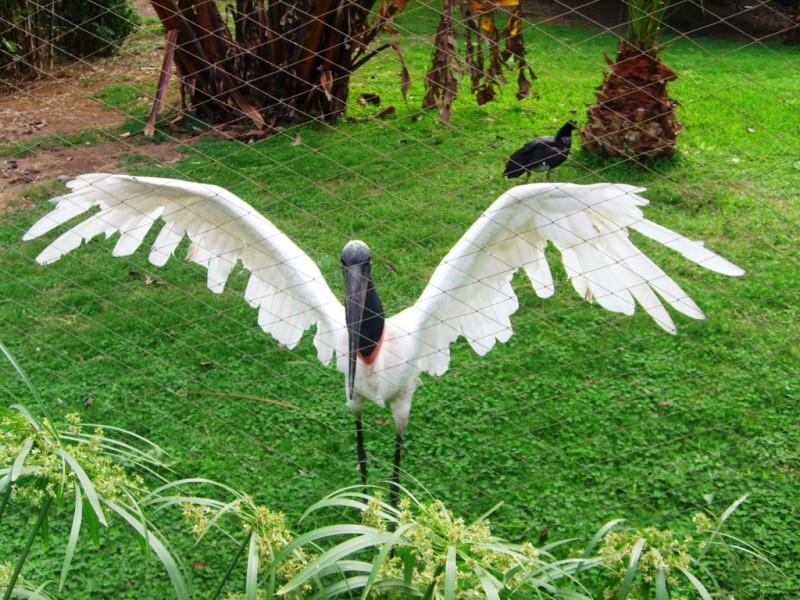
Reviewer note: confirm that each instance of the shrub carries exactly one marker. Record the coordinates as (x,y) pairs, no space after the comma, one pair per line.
(95,27)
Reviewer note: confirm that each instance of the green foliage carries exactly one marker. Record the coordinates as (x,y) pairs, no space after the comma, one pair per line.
(644,22)
(581,417)
(31,31)
(44,465)
(93,28)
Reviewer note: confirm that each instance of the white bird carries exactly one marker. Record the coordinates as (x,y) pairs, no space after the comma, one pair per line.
(469,294)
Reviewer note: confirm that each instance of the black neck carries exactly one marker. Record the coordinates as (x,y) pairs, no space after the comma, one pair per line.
(566,131)
(372,321)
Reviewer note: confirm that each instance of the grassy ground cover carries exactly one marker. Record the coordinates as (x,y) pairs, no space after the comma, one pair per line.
(582,417)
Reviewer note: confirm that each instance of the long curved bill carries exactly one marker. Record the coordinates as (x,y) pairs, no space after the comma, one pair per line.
(355,290)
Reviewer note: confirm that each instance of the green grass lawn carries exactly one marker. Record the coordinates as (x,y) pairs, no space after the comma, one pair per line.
(581,417)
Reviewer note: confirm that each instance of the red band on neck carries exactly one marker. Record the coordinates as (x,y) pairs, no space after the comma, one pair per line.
(371,358)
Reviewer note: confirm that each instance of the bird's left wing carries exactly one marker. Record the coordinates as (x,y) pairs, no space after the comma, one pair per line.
(470,293)
(285,284)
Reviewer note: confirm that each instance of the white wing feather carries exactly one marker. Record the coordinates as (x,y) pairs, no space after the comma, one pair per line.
(470,293)
(285,285)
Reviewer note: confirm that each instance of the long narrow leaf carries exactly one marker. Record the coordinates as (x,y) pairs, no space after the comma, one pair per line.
(34,392)
(599,536)
(94,524)
(322,533)
(160,550)
(382,556)
(661,577)
(701,589)
(633,563)
(86,483)
(35,423)
(331,556)
(77,518)
(346,586)
(251,581)
(19,462)
(450,572)
(490,584)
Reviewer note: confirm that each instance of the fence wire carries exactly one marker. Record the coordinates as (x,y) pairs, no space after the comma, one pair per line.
(569,423)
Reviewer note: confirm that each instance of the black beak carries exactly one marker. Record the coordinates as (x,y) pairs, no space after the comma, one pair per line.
(356,280)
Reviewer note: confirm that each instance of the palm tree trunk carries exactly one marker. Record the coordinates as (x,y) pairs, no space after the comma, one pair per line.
(634,117)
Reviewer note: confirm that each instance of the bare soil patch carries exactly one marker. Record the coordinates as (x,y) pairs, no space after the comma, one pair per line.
(63,104)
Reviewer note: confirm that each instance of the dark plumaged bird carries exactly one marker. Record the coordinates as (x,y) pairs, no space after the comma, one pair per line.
(542,154)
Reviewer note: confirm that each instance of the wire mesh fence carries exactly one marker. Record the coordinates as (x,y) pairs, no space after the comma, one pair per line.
(582,416)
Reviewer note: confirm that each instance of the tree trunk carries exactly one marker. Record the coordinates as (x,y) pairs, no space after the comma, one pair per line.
(287,60)
(634,117)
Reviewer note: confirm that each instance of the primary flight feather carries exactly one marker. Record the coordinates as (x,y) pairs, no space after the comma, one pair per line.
(469,294)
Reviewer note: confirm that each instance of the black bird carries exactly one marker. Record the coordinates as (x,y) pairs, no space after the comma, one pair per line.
(542,154)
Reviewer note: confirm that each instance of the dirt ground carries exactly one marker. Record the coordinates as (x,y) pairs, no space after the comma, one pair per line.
(61,104)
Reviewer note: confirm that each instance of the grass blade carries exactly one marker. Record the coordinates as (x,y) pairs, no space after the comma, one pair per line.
(34,392)
(19,462)
(701,589)
(331,556)
(251,582)
(158,547)
(232,564)
(489,584)
(661,577)
(596,539)
(630,574)
(382,556)
(86,484)
(450,571)
(77,517)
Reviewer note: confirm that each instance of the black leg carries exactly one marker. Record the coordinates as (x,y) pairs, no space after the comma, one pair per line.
(362,454)
(394,489)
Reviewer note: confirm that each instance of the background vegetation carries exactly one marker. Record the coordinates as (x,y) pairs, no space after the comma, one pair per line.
(582,417)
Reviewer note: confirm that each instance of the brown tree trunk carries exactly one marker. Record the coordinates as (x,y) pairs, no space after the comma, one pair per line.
(634,117)
(287,60)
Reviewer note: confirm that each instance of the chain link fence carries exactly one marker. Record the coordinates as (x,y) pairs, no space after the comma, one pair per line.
(583,416)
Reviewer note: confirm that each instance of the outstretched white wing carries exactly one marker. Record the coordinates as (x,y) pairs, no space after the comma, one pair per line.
(470,293)
(285,284)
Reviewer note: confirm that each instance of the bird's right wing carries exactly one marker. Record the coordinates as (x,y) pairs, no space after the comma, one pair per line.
(285,284)
(470,292)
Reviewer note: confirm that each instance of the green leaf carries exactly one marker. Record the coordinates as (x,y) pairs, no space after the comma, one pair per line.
(251,581)
(333,555)
(86,484)
(382,556)
(597,537)
(37,426)
(158,547)
(34,392)
(44,528)
(491,586)
(450,572)
(346,586)
(19,462)
(94,524)
(633,563)
(661,577)
(701,589)
(73,536)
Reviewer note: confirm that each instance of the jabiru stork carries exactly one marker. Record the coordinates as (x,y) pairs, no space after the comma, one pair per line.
(469,294)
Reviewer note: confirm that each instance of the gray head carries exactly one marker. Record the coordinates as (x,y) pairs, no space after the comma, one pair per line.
(355,253)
